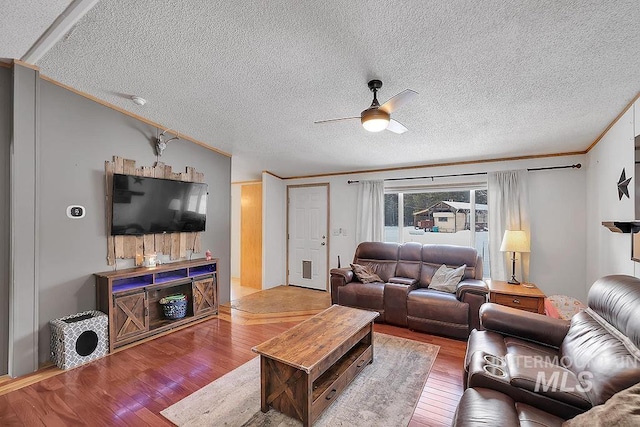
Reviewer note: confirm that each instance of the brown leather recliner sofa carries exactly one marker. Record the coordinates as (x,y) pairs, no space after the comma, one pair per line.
(529,369)
(403,297)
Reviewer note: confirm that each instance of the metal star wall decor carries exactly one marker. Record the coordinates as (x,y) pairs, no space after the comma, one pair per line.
(623,185)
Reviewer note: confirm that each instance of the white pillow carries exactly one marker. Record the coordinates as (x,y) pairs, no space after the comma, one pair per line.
(446,279)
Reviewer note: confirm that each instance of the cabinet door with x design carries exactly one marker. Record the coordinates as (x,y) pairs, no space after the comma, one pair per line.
(130,315)
(204,296)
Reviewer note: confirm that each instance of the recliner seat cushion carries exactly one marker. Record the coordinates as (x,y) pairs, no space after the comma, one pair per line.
(544,377)
(485,407)
(437,312)
(364,295)
(436,305)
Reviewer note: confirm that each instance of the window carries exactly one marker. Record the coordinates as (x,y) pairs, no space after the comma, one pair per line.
(446,217)
(391,217)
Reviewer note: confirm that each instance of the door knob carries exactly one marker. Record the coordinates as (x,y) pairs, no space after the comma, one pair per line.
(323,243)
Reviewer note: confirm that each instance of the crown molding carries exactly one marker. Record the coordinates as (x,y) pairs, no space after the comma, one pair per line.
(432,165)
(618,117)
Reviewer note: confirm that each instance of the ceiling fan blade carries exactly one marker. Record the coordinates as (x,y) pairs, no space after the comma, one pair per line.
(396,127)
(398,101)
(336,120)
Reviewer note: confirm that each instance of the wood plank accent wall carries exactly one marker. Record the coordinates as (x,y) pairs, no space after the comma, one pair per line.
(174,244)
(251,235)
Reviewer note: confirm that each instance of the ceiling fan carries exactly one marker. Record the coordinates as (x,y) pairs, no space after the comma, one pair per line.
(377,117)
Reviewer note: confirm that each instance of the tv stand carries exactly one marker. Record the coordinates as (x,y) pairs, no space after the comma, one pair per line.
(131,298)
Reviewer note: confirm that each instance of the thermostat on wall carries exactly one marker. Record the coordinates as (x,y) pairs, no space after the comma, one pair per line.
(75,211)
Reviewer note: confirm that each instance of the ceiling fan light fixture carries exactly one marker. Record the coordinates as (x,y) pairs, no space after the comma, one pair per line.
(377,117)
(374,119)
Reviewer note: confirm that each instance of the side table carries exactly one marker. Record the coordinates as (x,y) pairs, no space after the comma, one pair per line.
(525,296)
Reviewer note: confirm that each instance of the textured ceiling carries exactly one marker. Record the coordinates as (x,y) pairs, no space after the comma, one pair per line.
(495,78)
(23,22)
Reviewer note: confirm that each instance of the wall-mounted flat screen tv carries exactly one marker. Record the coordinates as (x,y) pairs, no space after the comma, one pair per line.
(144,205)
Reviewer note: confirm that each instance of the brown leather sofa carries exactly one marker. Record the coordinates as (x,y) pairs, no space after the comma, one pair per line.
(537,370)
(403,297)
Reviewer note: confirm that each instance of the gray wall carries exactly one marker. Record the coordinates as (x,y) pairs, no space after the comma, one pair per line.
(5,141)
(76,137)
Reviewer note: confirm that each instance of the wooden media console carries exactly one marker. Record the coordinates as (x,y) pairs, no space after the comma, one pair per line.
(131,297)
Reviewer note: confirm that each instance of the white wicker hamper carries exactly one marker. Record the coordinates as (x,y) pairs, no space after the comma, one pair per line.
(79,338)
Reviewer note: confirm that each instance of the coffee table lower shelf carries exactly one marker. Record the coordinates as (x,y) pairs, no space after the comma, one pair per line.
(293,391)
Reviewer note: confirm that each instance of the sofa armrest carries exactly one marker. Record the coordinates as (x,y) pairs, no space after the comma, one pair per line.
(474,293)
(395,302)
(345,273)
(533,327)
(473,286)
(339,277)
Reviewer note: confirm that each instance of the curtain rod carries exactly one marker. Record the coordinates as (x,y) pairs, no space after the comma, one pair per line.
(432,177)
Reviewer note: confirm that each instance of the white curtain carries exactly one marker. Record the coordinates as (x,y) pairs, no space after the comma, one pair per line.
(508,210)
(370,212)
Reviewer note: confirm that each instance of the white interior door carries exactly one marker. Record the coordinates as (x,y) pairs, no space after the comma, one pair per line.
(308,236)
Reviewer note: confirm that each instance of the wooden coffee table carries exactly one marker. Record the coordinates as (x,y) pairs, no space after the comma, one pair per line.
(303,369)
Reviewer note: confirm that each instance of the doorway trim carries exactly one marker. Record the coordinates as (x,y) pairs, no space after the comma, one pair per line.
(320,184)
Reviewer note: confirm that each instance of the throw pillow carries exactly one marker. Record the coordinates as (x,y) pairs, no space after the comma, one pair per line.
(446,279)
(620,410)
(365,274)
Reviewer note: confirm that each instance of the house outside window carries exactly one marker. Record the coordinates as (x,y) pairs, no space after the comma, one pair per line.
(435,216)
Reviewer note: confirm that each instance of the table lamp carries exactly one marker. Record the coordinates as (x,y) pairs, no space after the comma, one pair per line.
(514,241)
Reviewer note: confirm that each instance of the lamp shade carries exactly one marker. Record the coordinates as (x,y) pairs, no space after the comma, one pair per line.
(514,241)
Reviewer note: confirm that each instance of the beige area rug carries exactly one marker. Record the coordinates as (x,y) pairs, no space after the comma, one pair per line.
(283,299)
(385,393)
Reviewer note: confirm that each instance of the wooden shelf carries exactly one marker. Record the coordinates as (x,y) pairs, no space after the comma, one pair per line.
(169,278)
(200,270)
(161,323)
(123,287)
(131,298)
(331,375)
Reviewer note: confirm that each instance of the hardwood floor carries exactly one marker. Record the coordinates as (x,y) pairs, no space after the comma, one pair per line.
(443,389)
(131,387)
(238,291)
